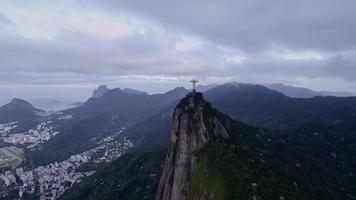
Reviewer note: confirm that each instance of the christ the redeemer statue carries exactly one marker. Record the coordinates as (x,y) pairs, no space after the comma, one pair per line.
(194,85)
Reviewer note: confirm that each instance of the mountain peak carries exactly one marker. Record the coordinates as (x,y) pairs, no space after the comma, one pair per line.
(177,89)
(193,100)
(19,110)
(100,91)
(21,103)
(194,124)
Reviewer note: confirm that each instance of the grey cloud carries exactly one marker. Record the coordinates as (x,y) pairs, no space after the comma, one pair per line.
(340,66)
(4,20)
(80,53)
(254,26)
(74,52)
(324,25)
(337,67)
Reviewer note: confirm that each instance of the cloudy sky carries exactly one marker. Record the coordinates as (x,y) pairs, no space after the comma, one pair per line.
(68,47)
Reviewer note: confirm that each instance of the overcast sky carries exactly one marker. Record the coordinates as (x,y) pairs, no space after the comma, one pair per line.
(68,47)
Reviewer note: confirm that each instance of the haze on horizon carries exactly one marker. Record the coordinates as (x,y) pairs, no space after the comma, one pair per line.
(66,48)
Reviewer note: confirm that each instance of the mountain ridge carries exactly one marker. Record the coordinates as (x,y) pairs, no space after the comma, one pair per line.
(301,92)
(312,161)
(100,117)
(260,106)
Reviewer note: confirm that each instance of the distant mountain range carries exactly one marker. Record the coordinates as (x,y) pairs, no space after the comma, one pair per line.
(102,89)
(127,107)
(147,120)
(255,105)
(260,106)
(100,117)
(148,116)
(291,91)
(212,156)
(305,92)
(62,103)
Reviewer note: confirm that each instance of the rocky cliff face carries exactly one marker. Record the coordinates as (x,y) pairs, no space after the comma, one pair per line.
(194,124)
(100,91)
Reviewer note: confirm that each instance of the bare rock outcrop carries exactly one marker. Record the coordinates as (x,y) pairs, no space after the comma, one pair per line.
(194,124)
(100,91)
